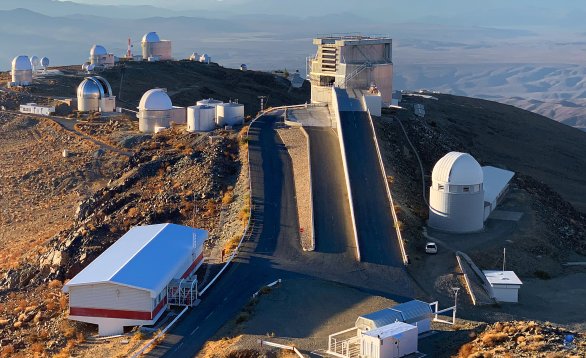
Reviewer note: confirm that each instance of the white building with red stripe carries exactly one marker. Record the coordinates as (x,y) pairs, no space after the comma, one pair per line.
(127,284)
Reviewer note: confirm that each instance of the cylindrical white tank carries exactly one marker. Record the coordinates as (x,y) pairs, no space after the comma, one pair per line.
(22,70)
(456,197)
(201,118)
(209,102)
(154,110)
(229,114)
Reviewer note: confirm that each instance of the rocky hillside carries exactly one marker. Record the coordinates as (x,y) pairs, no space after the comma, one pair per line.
(185,81)
(545,155)
(524,339)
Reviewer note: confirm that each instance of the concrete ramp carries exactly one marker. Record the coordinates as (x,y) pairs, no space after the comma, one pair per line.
(370,207)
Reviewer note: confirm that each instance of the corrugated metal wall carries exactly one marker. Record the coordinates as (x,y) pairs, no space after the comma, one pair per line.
(110,296)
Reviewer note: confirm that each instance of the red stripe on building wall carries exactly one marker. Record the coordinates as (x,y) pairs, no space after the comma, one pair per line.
(109,313)
(159,307)
(193,266)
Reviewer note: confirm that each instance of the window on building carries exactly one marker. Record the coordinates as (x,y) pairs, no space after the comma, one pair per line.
(440,187)
(466,189)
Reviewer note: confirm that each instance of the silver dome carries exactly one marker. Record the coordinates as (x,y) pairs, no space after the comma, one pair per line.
(95,87)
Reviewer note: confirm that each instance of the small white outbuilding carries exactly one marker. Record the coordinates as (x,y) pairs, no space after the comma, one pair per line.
(133,281)
(504,285)
(395,340)
(415,312)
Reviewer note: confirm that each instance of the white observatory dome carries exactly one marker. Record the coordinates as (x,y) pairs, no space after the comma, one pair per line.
(21,63)
(155,100)
(98,50)
(458,169)
(45,61)
(151,37)
(35,61)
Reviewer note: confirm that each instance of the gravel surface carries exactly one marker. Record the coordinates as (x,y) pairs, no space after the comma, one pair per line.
(296,144)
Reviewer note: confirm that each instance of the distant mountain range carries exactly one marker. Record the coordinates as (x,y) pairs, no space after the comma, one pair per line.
(511,63)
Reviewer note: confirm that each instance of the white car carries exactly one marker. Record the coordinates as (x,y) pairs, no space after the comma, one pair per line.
(431,248)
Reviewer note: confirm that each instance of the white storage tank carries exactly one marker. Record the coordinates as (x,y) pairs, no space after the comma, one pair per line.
(456,197)
(201,118)
(22,71)
(230,114)
(154,110)
(210,102)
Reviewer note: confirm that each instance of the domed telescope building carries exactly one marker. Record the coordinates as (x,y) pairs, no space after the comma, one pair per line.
(154,111)
(155,49)
(22,72)
(463,194)
(100,57)
(94,94)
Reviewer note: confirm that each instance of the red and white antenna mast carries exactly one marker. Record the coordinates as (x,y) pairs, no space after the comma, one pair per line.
(129,50)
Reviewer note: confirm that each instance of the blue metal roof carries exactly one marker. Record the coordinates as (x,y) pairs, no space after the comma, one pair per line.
(413,310)
(378,319)
(409,311)
(146,257)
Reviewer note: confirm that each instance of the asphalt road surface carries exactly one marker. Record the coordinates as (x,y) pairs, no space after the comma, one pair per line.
(275,232)
(274,251)
(331,207)
(374,224)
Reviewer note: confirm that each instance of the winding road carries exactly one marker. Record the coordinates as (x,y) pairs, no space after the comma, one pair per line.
(273,250)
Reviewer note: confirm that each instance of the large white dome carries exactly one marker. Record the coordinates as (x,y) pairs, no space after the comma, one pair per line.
(98,50)
(151,37)
(21,63)
(155,100)
(458,169)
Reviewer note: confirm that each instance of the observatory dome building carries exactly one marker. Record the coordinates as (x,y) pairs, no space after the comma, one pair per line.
(22,71)
(153,48)
(154,111)
(456,199)
(94,94)
(100,57)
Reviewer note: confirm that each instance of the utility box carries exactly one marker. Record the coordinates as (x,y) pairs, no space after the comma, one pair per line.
(395,340)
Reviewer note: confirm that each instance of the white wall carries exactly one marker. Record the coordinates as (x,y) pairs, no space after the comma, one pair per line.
(110,296)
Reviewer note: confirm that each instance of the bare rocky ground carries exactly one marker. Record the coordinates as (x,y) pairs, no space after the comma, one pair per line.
(320,309)
(296,143)
(551,231)
(84,202)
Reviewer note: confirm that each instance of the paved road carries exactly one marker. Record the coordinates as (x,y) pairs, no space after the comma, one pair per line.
(332,221)
(274,251)
(275,234)
(374,224)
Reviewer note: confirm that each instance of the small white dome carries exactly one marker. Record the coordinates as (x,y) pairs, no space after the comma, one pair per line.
(21,63)
(98,50)
(155,100)
(204,58)
(35,61)
(45,61)
(151,37)
(458,169)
